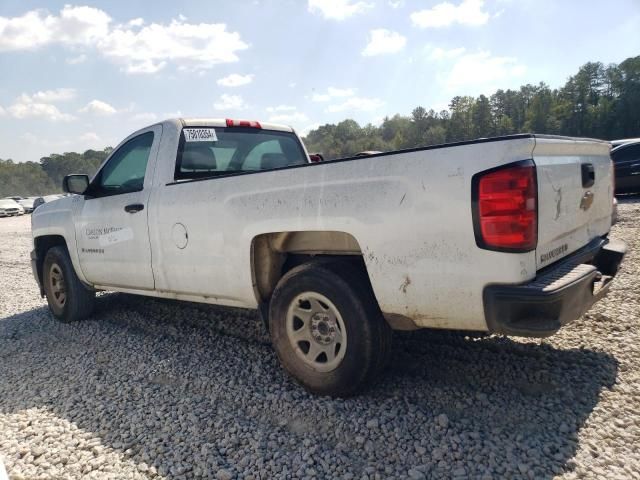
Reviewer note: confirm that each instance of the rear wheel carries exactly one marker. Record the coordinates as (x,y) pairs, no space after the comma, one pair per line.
(69,300)
(327,329)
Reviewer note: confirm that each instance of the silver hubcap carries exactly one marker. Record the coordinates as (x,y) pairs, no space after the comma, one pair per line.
(316,331)
(58,287)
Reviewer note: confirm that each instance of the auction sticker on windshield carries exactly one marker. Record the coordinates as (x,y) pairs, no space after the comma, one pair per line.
(200,135)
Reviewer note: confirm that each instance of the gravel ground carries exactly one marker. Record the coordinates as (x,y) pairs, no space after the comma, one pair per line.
(151,388)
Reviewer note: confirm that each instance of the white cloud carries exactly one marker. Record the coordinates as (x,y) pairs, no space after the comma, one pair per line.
(51,96)
(76,60)
(190,46)
(437,53)
(468,12)
(230,102)
(356,103)
(39,105)
(139,48)
(293,117)
(481,70)
(98,107)
(26,107)
(74,26)
(337,9)
(235,80)
(286,114)
(396,3)
(2,111)
(332,92)
(383,41)
(281,108)
(136,22)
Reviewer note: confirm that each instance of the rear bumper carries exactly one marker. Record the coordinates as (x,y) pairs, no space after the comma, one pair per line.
(558,295)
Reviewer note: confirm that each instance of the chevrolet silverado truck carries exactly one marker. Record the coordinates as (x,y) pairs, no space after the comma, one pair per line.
(502,235)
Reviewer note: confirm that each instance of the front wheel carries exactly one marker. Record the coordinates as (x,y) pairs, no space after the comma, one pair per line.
(69,300)
(327,329)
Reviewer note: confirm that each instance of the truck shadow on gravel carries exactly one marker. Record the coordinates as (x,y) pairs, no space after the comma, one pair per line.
(191,389)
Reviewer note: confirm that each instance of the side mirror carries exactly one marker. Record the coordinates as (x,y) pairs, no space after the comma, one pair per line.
(75,183)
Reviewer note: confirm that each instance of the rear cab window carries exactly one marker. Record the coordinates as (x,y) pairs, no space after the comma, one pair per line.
(214,151)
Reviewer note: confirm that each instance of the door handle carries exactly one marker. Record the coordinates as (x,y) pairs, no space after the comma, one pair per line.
(134,208)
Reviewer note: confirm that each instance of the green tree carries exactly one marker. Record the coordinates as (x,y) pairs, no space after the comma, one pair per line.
(598,101)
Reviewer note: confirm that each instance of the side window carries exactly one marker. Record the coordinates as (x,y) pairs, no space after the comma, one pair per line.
(125,170)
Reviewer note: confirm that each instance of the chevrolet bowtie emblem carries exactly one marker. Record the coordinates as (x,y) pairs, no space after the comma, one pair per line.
(587,200)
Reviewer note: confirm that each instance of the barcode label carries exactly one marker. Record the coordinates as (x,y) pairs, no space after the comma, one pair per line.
(200,135)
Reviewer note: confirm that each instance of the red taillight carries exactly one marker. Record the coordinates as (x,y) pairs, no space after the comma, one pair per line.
(506,208)
(243,123)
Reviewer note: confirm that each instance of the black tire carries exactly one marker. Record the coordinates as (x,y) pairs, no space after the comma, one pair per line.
(368,336)
(79,301)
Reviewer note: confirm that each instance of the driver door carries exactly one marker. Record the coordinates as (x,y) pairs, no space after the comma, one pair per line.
(112,232)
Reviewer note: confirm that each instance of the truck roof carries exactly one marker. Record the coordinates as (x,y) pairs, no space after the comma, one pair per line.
(222,123)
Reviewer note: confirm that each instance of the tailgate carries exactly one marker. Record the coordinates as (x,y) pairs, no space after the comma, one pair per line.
(575,195)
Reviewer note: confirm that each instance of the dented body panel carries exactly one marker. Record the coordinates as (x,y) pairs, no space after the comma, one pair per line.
(408,214)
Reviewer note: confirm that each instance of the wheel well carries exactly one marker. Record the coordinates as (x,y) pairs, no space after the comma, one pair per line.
(274,254)
(42,245)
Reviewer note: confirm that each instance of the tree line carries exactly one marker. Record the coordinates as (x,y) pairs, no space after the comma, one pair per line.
(45,177)
(599,101)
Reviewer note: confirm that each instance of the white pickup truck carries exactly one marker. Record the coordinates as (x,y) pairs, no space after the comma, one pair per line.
(503,235)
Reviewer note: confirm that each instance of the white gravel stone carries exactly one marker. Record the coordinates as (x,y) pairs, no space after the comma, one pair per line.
(154,388)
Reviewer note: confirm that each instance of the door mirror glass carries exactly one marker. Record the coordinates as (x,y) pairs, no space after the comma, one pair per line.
(75,183)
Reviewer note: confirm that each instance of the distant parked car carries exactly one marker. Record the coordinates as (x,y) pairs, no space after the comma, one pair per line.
(27,204)
(46,199)
(626,163)
(10,208)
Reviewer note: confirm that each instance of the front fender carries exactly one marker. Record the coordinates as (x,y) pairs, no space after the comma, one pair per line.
(56,219)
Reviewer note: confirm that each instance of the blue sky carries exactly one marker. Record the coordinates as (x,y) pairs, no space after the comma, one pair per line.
(85,75)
